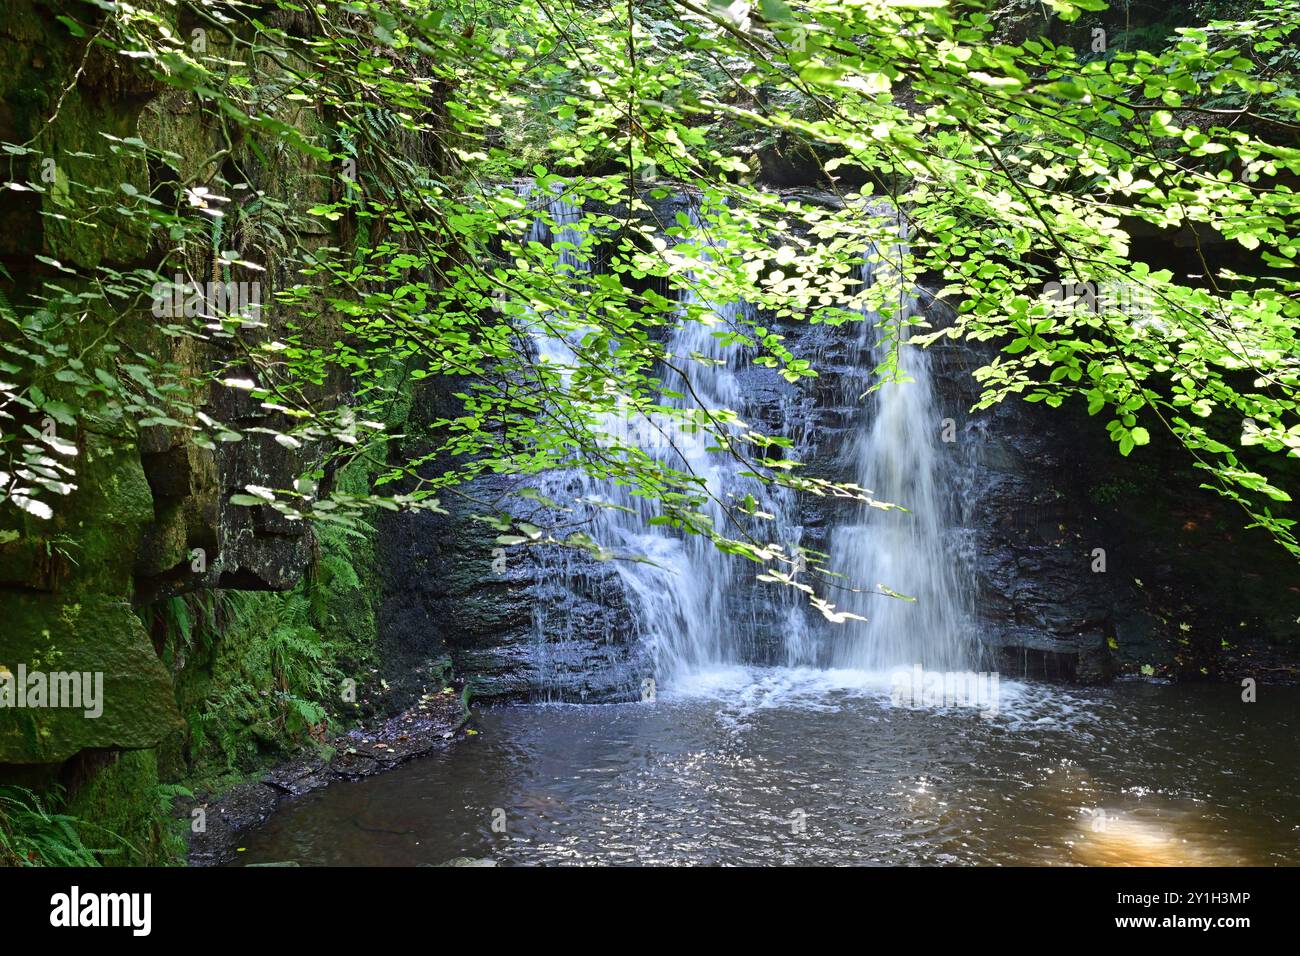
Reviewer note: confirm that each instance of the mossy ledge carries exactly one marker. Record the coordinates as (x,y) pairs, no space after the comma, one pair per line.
(217,667)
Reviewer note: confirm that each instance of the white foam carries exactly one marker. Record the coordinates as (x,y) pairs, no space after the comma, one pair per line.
(740,692)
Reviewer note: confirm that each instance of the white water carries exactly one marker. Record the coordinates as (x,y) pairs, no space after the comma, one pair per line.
(696,609)
(898,456)
(682,598)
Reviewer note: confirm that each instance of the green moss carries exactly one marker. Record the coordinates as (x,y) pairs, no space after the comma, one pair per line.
(1113,490)
(261,675)
(124,810)
(85,634)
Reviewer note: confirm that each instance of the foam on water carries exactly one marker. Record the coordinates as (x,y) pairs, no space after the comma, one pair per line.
(741,692)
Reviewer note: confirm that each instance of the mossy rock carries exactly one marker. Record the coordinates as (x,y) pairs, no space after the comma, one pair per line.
(96,635)
(122,813)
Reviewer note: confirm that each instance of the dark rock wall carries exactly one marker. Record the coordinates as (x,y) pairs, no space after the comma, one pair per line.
(151,516)
(1186,591)
(451,594)
(1086,565)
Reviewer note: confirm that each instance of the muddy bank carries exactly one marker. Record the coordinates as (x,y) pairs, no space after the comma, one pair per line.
(434,722)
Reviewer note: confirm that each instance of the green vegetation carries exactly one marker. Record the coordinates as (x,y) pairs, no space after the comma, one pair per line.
(126,810)
(358,168)
(33,835)
(1020,169)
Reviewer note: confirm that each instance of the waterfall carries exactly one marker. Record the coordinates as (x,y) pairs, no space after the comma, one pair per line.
(688,601)
(899,456)
(695,608)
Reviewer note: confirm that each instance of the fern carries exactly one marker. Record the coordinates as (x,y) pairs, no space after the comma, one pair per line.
(276,669)
(168,792)
(33,835)
(337,571)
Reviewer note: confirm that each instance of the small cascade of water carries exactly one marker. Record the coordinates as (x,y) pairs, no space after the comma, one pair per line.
(684,601)
(898,455)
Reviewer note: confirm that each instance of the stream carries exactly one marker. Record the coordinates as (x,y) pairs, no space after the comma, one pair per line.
(742,766)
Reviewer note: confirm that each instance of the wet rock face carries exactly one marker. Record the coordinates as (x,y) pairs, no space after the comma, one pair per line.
(1089,564)
(1041,608)
(151,516)
(1086,564)
(508,625)
(483,608)
(502,619)
(197,539)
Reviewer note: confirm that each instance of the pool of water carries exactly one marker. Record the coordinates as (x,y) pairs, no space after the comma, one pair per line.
(764,766)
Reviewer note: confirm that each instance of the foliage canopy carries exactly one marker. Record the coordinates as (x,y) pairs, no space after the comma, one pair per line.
(1018,171)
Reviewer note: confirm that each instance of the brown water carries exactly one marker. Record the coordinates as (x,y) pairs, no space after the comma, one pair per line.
(796,766)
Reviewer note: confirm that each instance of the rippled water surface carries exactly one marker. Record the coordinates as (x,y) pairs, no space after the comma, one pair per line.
(747,766)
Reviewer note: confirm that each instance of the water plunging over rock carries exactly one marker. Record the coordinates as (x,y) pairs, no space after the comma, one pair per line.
(695,607)
(692,606)
(897,454)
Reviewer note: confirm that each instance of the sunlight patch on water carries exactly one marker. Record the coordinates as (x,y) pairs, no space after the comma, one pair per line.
(1156,836)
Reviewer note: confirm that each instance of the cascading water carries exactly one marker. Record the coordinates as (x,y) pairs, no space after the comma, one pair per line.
(897,455)
(694,607)
(683,599)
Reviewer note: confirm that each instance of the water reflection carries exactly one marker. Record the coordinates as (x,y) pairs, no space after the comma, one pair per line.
(815,767)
